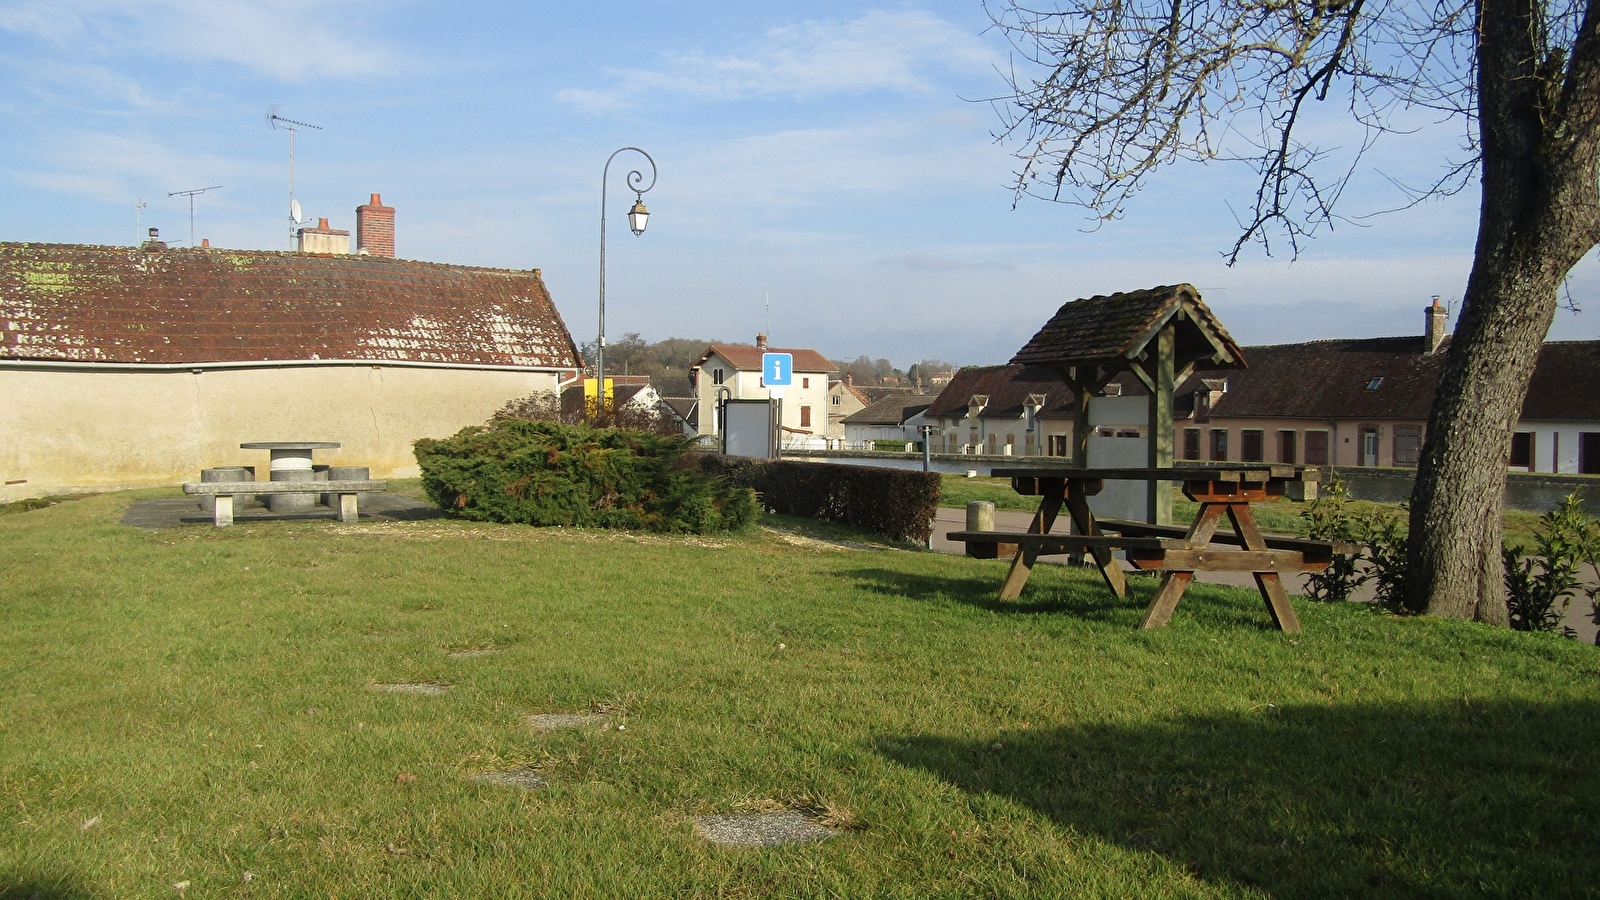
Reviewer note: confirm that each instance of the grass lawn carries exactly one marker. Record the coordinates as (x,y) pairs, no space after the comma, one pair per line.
(186,706)
(1280,517)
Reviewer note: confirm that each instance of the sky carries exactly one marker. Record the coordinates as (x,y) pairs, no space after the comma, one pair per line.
(826,171)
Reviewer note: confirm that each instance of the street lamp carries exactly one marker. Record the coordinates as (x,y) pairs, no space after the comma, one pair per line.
(637,218)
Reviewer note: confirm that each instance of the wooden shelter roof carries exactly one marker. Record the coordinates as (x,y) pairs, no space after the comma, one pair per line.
(1112,330)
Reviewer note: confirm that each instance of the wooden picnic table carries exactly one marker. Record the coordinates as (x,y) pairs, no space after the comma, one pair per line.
(1227,490)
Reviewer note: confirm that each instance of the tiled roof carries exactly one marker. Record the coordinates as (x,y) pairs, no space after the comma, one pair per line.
(684,407)
(894,409)
(72,302)
(1008,388)
(1104,328)
(875,392)
(749,358)
(572,398)
(1334,379)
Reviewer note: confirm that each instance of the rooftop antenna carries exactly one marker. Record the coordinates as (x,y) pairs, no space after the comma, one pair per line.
(191,194)
(769,313)
(291,126)
(138,221)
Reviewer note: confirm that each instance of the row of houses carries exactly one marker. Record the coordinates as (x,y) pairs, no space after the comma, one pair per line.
(1345,402)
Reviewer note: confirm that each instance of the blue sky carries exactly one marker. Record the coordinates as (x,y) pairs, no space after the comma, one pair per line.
(827,154)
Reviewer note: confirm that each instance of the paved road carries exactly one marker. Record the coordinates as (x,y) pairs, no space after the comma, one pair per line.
(1004,520)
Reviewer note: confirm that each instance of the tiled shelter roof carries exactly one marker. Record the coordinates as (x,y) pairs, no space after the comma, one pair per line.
(1106,329)
(97,304)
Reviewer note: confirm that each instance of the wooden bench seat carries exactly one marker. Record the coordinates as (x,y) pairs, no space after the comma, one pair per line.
(1308,546)
(1055,544)
(224,491)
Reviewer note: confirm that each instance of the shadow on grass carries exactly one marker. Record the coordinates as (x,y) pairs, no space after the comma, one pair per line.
(35,886)
(1082,595)
(1413,800)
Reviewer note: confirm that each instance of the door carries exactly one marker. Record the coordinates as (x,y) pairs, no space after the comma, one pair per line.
(1369,446)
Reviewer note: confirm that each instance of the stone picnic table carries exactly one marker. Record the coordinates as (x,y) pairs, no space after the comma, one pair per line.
(291,461)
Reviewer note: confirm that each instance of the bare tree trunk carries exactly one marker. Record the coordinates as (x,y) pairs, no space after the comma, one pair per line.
(1540,215)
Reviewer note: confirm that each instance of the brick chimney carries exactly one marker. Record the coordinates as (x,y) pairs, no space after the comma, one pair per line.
(761,341)
(1434,333)
(375,228)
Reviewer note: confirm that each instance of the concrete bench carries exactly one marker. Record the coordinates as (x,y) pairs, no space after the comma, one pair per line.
(224,492)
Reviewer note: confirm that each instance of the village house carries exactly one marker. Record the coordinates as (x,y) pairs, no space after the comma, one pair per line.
(124,366)
(1365,402)
(1017,410)
(734,371)
(844,400)
(896,417)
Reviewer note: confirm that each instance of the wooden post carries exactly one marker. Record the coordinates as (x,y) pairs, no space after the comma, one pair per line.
(1160,367)
(1080,417)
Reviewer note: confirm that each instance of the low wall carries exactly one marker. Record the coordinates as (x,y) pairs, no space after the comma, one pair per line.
(1529,491)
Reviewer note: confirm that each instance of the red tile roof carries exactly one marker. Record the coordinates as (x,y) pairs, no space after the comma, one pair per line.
(72,302)
(748,358)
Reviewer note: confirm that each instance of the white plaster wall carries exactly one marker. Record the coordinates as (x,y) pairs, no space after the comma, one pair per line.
(1119,499)
(1555,445)
(66,430)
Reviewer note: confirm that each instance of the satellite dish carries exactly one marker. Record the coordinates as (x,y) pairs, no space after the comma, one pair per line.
(295,213)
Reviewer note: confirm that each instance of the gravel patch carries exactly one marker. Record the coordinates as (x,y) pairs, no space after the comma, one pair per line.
(470,654)
(760,829)
(526,779)
(553,721)
(410,687)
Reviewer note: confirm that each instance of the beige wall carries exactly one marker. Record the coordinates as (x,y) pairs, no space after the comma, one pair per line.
(65,430)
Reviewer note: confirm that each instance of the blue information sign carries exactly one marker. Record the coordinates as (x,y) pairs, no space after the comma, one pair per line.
(777,369)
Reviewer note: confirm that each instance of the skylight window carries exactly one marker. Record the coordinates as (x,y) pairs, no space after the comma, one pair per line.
(1373,384)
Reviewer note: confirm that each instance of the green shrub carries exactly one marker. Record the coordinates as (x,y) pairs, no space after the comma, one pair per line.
(1328,518)
(1540,586)
(895,503)
(888,445)
(548,473)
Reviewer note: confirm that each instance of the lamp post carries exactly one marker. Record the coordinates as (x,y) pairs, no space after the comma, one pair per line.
(638,216)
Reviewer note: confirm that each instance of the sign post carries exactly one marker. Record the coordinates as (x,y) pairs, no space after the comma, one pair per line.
(777,373)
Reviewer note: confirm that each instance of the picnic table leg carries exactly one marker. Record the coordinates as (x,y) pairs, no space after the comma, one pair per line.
(1175,582)
(1268,583)
(1104,559)
(223,514)
(1022,563)
(347,508)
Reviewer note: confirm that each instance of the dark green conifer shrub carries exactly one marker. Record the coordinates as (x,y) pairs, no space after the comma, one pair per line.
(548,473)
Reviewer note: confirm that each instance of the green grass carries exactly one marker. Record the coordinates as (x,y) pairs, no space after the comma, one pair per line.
(1279,517)
(198,695)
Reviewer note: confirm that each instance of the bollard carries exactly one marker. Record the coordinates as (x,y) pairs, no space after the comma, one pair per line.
(980,517)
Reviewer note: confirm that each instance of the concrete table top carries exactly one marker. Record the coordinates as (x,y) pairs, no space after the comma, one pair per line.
(290,445)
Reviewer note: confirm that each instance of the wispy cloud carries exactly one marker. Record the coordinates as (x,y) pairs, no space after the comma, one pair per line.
(878,51)
(290,41)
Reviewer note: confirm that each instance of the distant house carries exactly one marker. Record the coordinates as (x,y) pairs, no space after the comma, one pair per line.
(684,412)
(844,400)
(124,366)
(1366,401)
(734,371)
(627,392)
(897,417)
(1017,410)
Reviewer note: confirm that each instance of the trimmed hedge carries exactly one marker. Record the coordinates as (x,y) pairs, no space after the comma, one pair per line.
(896,503)
(547,473)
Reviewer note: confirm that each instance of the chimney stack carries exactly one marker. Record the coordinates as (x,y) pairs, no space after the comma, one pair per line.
(761,341)
(155,244)
(1434,334)
(324,239)
(375,228)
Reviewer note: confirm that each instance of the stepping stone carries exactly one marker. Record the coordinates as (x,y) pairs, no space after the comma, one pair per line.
(517,778)
(761,829)
(469,654)
(552,721)
(405,687)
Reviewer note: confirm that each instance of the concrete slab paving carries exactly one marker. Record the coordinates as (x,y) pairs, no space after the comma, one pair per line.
(553,721)
(761,829)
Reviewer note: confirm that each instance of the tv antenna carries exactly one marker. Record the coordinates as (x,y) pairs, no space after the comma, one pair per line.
(191,194)
(291,126)
(138,221)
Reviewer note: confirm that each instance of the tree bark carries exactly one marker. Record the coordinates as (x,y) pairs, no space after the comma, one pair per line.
(1539,117)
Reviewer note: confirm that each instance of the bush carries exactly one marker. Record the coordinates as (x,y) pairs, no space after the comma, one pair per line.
(578,410)
(895,503)
(547,473)
(1328,518)
(888,445)
(1540,587)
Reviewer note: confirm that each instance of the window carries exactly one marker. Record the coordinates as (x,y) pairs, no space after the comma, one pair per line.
(1521,450)
(1058,445)
(1286,447)
(805,417)
(1407,444)
(1373,384)
(1252,443)
(716,376)
(1316,448)
(1589,453)
(1219,445)
(836,400)
(805,383)
(1191,443)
